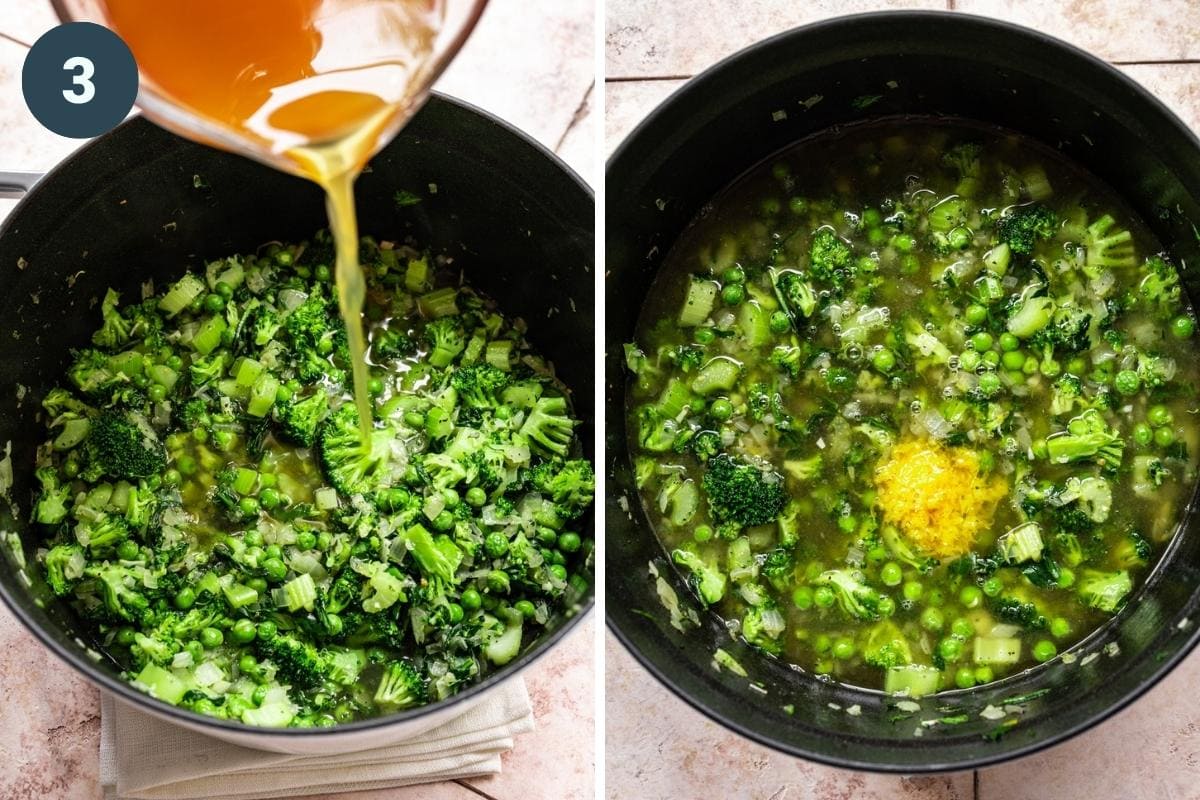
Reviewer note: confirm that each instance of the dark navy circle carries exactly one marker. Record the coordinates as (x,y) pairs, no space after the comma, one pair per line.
(79,80)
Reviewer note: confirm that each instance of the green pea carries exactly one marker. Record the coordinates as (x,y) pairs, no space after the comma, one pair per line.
(802,598)
(883,359)
(964,677)
(1127,382)
(558,571)
(936,597)
(214,303)
(909,264)
(243,632)
(186,465)
(196,650)
(211,638)
(932,619)
(969,360)
(702,533)
(1044,650)
(891,574)
(779,322)
(269,498)
(733,275)
(991,358)
(989,382)
(324,540)
(1066,578)
(1182,327)
(721,409)
(375,386)
(257,584)
(962,628)
(976,315)
(823,643)
(970,596)
(1076,366)
(200,435)
(823,667)
(224,289)
(950,648)
(569,542)
(1059,627)
(1030,367)
(498,581)
(185,598)
(456,612)
(274,569)
(843,649)
(1009,343)
(797,205)
(248,506)
(1159,416)
(984,674)
(157,393)
(1013,360)
(912,591)
(1163,437)
(526,608)
(704,336)
(322,272)
(252,538)
(471,599)
(733,294)
(475,497)
(444,521)
(128,550)
(903,242)
(823,596)
(273,551)
(267,629)
(1143,434)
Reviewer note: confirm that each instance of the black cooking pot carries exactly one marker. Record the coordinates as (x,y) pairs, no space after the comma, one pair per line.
(732,117)
(141,203)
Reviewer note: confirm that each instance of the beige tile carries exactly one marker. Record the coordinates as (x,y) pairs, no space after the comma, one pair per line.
(578,144)
(531,62)
(1149,750)
(1117,30)
(27,145)
(50,739)
(434,791)
(1177,85)
(660,749)
(26,19)
(627,103)
(557,760)
(647,38)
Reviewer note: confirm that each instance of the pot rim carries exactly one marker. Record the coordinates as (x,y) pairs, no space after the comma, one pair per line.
(694,90)
(125,691)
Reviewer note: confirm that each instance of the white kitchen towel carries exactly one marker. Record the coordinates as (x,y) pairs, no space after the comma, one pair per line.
(145,758)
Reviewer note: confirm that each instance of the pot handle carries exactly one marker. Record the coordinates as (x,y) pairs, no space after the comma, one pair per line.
(14,185)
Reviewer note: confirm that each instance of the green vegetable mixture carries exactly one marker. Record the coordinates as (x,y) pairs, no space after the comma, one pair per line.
(209,507)
(913,406)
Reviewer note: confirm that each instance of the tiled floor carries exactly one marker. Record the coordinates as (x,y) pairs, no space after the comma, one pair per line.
(658,747)
(531,62)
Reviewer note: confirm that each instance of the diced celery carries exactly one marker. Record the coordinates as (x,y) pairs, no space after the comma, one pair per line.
(239,595)
(208,335)
(997,258)
(438,303)
(674,399)
(913,680)
(262,396)
(209,583)
(326,498)
(163,375)
(416,275)
(504,648)
(246,371)
(1022,543)
(997,650)
(162,684)
(499,354)
(245,480)
(719,374)
(181,295)
(755,324)
(129,363)
(300,593)
(701,297)
(73,432)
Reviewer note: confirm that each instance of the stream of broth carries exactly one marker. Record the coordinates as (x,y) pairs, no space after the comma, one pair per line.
(315,83)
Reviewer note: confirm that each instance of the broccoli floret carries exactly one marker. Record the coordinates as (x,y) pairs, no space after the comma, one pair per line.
(706,445)
(401,686)
(51,507)
(446,339)
(1149,472)
(855,597)
(121,589)
(1018,612)
(778,567)
(123,446)
(570,484)
(1087,437)
(549,426)
(1067,331)
(438,557)
(741,492)
(1021,228)
(1105,591)
(115,330)
(1108,247)
(1065,394)
(1155,370)
(298,663)
(480,385)
(1132,551)
(830,259)
(903,551)
(392,343)
(963,158)
(207,370)
(355,467)
(91,372)
(795,294)
(64,565)
(299,418)
(311,321)
(789,359)
(706,579)
(687,357)
(1091,495)
(762,625)
(1160,289)
(886,646)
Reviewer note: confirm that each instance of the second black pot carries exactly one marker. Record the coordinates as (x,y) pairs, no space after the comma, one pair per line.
(737,114)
